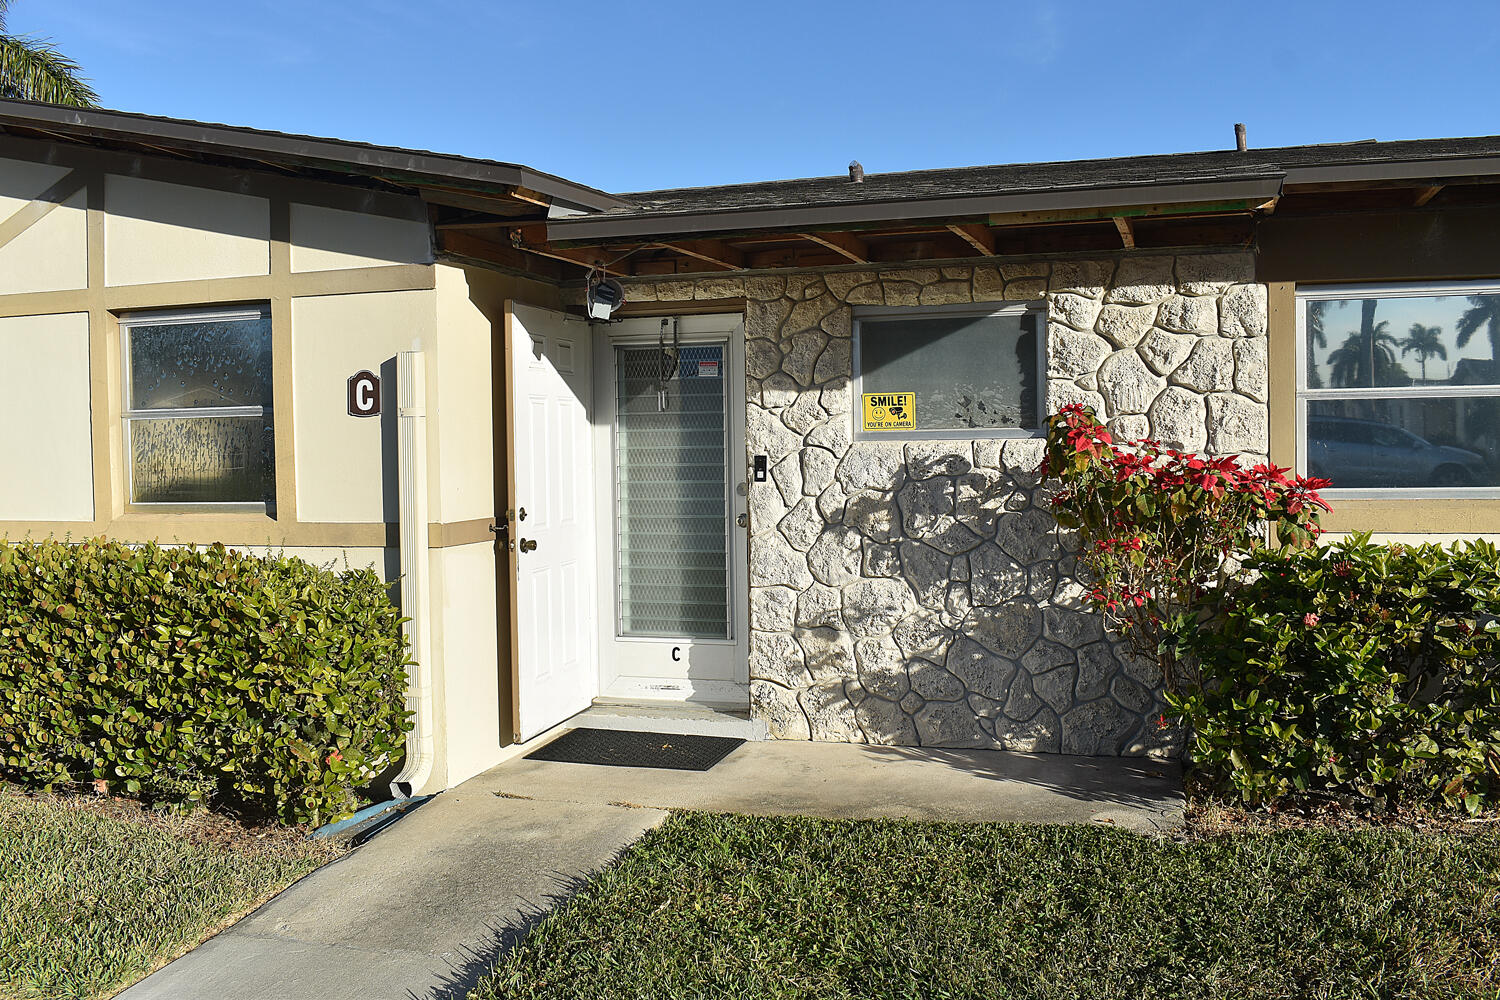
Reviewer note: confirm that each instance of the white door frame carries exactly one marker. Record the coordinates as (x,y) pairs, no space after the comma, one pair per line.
(728,328)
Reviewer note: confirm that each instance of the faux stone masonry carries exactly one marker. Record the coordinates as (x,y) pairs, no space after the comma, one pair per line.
(921,593)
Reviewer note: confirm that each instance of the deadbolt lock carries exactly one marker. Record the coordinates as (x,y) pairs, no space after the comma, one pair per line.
(743,520)
(523,513)
(528,545)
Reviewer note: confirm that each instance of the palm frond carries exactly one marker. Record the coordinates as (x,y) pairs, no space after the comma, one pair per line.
(33,70)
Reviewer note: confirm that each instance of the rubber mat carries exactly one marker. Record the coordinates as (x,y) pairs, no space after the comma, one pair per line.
(626,748)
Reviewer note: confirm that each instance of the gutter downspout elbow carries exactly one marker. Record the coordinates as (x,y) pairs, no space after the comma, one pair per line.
(416,601)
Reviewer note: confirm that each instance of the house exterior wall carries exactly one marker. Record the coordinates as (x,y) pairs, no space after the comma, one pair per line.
(44,382)
(920,592)
(350,280)
(1444,244)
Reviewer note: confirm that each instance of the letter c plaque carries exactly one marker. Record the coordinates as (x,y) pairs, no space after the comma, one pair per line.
(364,394)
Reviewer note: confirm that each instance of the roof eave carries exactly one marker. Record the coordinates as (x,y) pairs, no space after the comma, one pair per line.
(643,226)
(402,166)
(1394,170)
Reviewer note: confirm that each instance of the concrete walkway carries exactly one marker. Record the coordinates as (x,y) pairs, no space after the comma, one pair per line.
(423,908)
(853,781)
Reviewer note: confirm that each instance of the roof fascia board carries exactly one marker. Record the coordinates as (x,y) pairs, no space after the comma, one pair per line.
(1412,170)
(827,216)
(329,154)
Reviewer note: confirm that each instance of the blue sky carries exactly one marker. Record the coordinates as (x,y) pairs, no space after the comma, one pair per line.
(626,96)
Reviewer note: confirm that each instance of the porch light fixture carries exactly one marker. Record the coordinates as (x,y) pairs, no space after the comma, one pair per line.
(605,295)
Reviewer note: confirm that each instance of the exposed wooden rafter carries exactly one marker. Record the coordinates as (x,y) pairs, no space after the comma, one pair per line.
(467,247)
(712,251)
(1426,194)
(847,246)
(586,257)
(978,237)
(465,224)
(1127,234)
(531,197)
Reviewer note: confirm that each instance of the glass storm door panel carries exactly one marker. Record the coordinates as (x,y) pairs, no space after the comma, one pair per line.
(672,493)
(671,441)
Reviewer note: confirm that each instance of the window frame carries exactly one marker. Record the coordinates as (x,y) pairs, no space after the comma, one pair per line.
(1036,307)
(184,317)
(1302,395)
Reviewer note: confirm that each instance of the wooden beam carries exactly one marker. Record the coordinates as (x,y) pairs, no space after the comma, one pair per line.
(475,201)
(847,246)
(1426,194)
(978,237)
(712,251)
(474,224)
(533,197)
(590,258)
(465,246)
(1127,235)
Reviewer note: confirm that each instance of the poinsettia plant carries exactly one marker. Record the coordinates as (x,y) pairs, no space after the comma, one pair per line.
(1163,532)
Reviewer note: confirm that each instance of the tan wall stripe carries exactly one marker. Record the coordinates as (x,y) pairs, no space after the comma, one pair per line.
(441,536)
(199,528)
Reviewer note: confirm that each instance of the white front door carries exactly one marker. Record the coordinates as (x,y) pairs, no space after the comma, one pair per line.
(553,530)
(669,446)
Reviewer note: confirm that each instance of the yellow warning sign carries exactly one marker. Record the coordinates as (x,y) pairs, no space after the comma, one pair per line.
(890,411)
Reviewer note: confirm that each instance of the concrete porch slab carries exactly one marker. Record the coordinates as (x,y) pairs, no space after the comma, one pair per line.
(855,781)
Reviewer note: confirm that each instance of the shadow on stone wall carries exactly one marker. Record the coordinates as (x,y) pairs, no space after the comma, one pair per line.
(921,594)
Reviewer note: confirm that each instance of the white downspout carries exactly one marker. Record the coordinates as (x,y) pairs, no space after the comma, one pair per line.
(416,601)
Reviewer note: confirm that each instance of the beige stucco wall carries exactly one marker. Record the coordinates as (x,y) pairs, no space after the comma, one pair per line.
(464,392)
(45,450)
(346,465)
(383,561)
(353,285)
(49,256)
(466,676)
(155,231)
(329,239)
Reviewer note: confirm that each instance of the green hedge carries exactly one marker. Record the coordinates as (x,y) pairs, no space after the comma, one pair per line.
(1354,668)
(264,686)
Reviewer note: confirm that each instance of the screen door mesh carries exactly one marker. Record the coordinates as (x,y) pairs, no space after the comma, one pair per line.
(672,500)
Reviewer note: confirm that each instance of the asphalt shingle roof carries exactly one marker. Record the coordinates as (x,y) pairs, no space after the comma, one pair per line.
(1018,178)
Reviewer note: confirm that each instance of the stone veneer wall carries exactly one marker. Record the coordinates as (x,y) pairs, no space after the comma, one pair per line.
(921,593)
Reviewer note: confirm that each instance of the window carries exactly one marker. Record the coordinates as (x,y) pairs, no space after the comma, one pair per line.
(197,389)
(961,372)
(1398,389)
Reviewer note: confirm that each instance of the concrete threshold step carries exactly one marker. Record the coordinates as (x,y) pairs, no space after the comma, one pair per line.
(670,717)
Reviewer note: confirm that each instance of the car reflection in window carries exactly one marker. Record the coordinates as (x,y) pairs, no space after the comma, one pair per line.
(1364,454)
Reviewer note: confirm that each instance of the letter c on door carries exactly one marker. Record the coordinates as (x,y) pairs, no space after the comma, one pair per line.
(675,651)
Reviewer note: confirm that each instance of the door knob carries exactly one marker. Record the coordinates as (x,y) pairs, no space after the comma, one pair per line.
(528,545)
(743,520)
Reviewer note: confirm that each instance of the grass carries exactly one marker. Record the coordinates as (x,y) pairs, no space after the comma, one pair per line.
(95,895)
(746,907)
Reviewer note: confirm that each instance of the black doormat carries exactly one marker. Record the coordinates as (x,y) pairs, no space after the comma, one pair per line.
(626,748)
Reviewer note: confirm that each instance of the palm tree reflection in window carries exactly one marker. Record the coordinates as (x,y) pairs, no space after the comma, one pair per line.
(1425,342)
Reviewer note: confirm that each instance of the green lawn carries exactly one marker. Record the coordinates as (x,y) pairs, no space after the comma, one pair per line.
(722,906)
(93,897)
